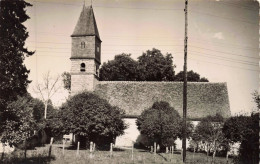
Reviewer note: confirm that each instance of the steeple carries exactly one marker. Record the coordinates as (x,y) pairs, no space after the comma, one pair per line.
(85,53)
(86,25)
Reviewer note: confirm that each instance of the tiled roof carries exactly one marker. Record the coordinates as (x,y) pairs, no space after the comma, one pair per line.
(86,24)
(133,97)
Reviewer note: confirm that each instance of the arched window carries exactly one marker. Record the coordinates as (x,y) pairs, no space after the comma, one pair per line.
(82,44)
(82,67)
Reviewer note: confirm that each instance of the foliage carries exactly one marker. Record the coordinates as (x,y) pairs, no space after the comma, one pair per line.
(66,78)
(122,68)
(93,118)
(150,66)
(13,73)
(191,76)
(249,148)
(21,123)
(244,129)
(209,130)
(256,98)
(235,127)
(160,123)
(154,66)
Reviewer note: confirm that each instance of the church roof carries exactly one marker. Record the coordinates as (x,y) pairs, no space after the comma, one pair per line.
(133,97)
(86,25)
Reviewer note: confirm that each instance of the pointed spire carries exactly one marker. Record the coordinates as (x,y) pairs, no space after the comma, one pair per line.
(86,25)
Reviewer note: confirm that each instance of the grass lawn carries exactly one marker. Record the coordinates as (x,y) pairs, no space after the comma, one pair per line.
(121,156)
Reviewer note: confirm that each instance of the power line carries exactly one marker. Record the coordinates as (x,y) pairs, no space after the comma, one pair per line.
(152,38)
(166,9)
(225,58)
(238,5)
(113,7)
(222,17)
(232,54)
(225,52)
(225,65)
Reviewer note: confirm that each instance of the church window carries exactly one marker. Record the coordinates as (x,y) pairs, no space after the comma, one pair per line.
(97,49)
(82,67)
(82,45)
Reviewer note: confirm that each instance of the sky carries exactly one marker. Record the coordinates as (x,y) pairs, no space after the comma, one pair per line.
(223,38)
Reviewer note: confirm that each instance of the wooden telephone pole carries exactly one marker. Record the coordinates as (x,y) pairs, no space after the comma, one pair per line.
(185,84)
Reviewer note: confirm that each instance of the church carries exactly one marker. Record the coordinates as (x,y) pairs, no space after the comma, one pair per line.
(204,98)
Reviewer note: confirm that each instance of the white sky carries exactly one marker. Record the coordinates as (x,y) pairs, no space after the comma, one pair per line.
(222,46)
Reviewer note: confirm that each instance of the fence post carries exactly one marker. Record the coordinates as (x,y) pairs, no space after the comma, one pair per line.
(155,148)
(91,149)
(111,150)
(132,151)
(78,149)
(151,149)
(63,146)
(50,147)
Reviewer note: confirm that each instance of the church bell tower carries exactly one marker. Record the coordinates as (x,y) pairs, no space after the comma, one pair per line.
(85,53)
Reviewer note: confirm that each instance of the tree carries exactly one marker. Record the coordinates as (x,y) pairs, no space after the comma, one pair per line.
(66,78)
(209,130)
(13,73)
(20,125)
(191,76)
(244,129)
(47,89)
(160,123)
(92,118)
(122,68)
(256,98)
(154,66)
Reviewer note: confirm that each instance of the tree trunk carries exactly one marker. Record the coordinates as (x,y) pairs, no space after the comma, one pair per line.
(45,109)
(25,148)
(3,153)
(214,153)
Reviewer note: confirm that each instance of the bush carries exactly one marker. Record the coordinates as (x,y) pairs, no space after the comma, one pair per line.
(160,123)
(92,119)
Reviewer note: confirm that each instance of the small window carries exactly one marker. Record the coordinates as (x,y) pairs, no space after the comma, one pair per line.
(97,49)
(82,45)
(82,67)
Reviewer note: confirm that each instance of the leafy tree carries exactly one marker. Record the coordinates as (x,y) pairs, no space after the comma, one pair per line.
(13,73)
(66,78)
(154,66)
(191,76)
(20,127)
(244,129)
(256,98)
(209,130)
(160,123)
(235,127)
(249,148)
(122,68)
(92,118)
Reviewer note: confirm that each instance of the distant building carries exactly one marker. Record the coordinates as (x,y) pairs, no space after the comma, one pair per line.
(134,96)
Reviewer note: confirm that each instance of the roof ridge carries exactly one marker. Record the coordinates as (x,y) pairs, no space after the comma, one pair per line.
(161,82)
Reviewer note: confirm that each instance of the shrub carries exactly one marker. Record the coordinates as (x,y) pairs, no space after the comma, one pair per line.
(92,119)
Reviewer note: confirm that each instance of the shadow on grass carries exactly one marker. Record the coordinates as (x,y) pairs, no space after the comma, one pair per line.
(29,160)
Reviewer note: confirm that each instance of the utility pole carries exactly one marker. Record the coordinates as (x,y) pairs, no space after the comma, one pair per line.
(185,84)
